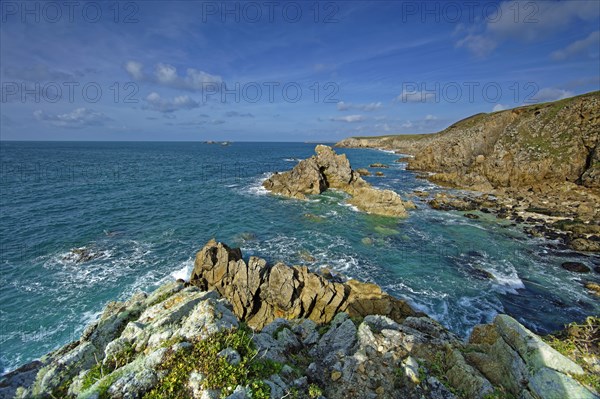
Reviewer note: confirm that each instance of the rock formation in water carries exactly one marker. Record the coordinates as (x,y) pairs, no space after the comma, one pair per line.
(184,342)
(329,170)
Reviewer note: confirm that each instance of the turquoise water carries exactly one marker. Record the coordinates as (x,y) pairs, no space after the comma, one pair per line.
(146,208)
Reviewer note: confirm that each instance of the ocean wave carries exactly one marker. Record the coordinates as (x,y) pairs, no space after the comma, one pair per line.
(255,188)
(185,272)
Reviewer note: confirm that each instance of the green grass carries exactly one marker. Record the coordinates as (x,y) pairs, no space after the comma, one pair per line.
(578,341)
(102,369)
(314,391)
(203,358)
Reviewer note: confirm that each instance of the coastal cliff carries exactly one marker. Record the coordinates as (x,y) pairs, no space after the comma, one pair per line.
(314,336)
(540,161)
(550,142)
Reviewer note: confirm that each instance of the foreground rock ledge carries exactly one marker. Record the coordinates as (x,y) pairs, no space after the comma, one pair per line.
(126,353)
(330,170)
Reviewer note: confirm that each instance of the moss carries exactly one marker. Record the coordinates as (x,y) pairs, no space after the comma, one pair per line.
(314,391)
(203,357)
(323,329)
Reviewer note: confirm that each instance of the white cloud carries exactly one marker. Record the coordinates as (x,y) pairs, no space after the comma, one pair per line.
(166,75)
(407,125)
(578,46)
(430,117)
(552,94)
(498,107)
(349,118)
(79,117)
(416,96)
(134,69)
(524,21)
(342,106)
(157,103)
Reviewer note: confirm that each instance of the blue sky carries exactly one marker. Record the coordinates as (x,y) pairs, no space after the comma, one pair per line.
(283,71)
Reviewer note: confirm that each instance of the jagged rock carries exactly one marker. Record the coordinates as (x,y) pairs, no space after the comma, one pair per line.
(260,293)
(378,165)
(363,172)
(329,170)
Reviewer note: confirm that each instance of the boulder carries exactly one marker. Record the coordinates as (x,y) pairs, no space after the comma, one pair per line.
(576,267)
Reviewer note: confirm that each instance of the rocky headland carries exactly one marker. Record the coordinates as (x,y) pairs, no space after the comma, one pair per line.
(538,165)
(328,170)
(246,329)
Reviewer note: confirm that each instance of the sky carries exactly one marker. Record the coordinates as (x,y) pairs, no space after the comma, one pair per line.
(283,71)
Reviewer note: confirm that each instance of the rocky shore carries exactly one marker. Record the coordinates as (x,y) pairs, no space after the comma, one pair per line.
(246,329)
(538,164)
(328,170)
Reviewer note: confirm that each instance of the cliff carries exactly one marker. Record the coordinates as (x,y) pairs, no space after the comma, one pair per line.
(521,147)
(184,342)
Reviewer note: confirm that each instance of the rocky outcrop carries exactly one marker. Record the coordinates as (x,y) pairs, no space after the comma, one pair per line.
(328,170)
(550,142)
(183,342)
(261,293)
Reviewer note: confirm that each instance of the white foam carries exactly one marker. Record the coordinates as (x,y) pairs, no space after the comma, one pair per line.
(256,186)
(354,208)
(510,283)
(185,272)
(388,151)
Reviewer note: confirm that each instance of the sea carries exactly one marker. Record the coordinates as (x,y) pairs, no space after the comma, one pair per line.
(143,209)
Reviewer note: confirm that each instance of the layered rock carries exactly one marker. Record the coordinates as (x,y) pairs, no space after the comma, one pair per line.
(329,170)
(260,293)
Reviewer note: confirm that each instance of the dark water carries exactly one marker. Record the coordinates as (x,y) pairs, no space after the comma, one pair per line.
(146,208)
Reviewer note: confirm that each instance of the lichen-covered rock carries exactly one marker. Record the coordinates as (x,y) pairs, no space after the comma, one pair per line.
(329,170)
(513,357)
